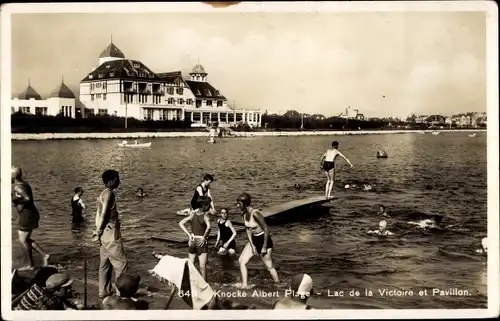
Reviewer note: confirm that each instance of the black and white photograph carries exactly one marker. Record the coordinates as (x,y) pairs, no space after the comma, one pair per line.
(339,158)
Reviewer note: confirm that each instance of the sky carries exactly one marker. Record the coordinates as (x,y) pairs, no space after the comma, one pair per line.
(383,64)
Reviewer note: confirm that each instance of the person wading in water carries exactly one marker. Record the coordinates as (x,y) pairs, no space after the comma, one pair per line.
(108,234)
(28,218)
(259,240)
(203,190)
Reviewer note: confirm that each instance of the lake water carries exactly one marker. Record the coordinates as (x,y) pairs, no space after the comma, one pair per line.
(429,174)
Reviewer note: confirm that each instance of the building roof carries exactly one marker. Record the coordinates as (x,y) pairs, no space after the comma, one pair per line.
(170,77)
(63,91)
(112,51)
(30,93)
(204,90)
(198,69)
(122,69)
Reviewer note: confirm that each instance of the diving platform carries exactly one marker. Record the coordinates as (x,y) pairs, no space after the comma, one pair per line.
(178,236)
(286,207)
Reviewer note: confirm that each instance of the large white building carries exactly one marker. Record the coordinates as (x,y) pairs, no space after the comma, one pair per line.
(60,102)
(128,88)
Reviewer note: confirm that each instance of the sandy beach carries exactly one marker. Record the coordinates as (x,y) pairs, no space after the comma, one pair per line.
(49,136)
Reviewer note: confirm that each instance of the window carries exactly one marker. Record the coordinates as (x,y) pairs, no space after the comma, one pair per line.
(170,90)
(136,65)
(104,85)
(171,101)
(102,112)
(111,74)
(91,77)
(41,111)
(100,75)
(219,103)
(89,111)
(92,97)
(163,114)
(181,101)
(179,91)
(189,101)
(24,110)
(207,92)
(91,86)
(156,99)
(198,103)
(103,96)
(98,96)
(209,103)
(147,113)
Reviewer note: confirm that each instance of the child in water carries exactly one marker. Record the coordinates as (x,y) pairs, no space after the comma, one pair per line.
(77,206)
(328,165)
(382,211)
(382,229)
(226,234)
(140,193)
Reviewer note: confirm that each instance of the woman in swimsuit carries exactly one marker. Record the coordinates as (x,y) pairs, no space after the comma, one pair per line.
(203,190)
(226,234)
(259,240)
(328,165)
(29,217)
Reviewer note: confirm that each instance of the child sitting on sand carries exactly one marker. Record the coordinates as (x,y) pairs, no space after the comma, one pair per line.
(226,234)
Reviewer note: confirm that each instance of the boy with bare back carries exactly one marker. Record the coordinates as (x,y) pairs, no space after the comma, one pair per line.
(108,234)
(328,165)
(28,218)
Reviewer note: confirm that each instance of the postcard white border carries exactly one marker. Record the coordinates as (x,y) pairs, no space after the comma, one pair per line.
(489,7)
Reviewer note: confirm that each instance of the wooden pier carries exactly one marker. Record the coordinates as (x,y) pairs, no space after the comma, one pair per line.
(286,207)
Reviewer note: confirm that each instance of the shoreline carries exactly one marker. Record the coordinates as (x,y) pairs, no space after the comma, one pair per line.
(66,136)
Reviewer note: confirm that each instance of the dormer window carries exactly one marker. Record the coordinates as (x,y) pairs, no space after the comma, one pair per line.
(91,77)
(107,66)
(111,74)
(100,76)
(136,65)
(207,92)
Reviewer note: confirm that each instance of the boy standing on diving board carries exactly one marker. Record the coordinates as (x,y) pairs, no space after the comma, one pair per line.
(328,165)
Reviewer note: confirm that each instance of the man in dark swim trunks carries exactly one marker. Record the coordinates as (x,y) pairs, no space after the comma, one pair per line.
(328,165)
(203,190)
(108,234)
(28,218)
(200,230)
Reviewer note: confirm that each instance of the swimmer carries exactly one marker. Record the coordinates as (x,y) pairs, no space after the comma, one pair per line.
(200,230)
(203,190)
(328,165)
(382,229)
(135,142)
(77,206)
(259,240)
(431,223)
(382,211)
(140,193)
(301,289)
(28,218)
(367,187)
(226,234)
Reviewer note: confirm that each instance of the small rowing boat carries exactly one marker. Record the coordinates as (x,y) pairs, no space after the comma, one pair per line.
(136,145)
(436,133)
(472,135)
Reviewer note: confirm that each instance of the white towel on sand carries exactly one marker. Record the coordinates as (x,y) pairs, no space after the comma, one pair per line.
(184,275)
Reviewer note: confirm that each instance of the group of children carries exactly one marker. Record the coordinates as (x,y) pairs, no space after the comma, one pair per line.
(259,239)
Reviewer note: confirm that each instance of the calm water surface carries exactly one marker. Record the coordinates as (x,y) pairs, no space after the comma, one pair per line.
(428,174)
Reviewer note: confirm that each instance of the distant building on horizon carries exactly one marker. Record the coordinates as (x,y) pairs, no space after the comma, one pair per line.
(61,101)
(128,88)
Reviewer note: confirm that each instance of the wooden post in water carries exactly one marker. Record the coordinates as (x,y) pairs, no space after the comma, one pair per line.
(85,284)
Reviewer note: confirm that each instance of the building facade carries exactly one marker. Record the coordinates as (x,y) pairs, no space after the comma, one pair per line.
(60,102)
(128,88)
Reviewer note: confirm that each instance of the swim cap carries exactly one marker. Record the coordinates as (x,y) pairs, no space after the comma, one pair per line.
(302,284)
(244,198)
